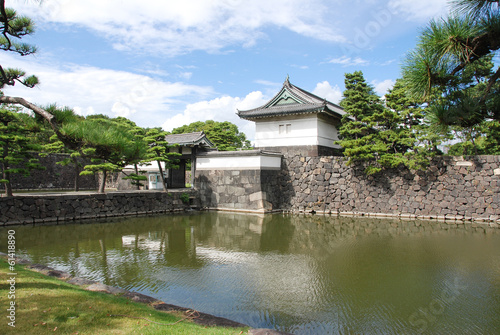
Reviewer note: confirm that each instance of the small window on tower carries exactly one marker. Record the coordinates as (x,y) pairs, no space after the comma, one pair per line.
(282,128)
(288,128)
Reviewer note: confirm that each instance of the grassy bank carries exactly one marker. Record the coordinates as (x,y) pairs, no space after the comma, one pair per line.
(46,305)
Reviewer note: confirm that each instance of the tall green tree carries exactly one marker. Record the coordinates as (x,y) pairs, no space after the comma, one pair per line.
(50,142)
(379,136)
(225,135)
(410,141)
(16,148)
(109,144)
(159,151)
(449,49)
(136,178)
(358,138)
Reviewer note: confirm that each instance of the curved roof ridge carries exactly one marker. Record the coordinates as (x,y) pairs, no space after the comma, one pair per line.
(194,138)
(304,100)
(315,97)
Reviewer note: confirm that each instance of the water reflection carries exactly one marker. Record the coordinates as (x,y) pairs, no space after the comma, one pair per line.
(303,274)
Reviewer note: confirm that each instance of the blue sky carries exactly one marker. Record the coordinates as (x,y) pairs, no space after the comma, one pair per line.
(169,63)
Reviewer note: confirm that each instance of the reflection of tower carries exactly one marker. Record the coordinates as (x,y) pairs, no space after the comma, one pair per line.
(177,241)
(277,234)
(192,250)
(180,246)
(104,263)
(74,261)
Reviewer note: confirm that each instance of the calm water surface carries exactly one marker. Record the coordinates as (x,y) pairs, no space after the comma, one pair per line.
(302,274)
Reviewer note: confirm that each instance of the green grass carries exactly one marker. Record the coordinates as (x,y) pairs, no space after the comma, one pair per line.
(46,305)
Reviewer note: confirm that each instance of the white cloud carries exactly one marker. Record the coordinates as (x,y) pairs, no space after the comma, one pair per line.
(91,90)
(349,61)
(185,75)
(177,27)
(421,10)
(326,91)
(301,67)
(382,86)
(268,83)
(219,109)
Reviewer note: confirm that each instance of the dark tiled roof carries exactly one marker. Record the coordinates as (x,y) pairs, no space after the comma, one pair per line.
(197,138)
(301,102)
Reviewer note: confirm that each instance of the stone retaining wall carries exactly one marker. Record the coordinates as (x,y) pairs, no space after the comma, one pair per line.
(54,176)
(451,188)
(240,190)
(29,209)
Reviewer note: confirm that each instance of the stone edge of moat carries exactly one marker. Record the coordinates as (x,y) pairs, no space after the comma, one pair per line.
(90,285)
(40,209)
(87,218)
(492,220)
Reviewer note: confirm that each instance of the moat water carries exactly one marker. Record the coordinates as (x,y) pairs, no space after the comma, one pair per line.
(301,274)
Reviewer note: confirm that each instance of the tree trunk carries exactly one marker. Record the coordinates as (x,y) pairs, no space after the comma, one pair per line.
(162,177)
(137,173)
(5,173)
(8,186)
(102,185)
(77,174)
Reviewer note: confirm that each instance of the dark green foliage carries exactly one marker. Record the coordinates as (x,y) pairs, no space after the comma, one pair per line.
(381,136)
(184,198)
(14,28)
(110,143)
(491,142)
(452,69)
(225,135)
(159,151)
(51,143)
(16,148)
(358,138)
(356,133)
(487,142)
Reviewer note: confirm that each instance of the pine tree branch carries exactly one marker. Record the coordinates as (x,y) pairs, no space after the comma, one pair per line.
(5,21)
(40,111)
(5,79)
(491,82)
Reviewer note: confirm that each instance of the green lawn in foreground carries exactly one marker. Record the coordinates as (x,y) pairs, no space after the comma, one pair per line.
(46,305)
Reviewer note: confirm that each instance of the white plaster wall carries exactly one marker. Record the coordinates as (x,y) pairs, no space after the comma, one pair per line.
(309,130)
(238,162)
(302,132)
(327,134)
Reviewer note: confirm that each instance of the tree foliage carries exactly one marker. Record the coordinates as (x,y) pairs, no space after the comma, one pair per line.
(381,136)
(451,66)
(51,143)
(225,135)
(110,143)
(358,138)
(14,28)
(16,148)
(159,151)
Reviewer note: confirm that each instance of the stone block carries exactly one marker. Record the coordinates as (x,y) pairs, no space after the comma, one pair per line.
(257,196)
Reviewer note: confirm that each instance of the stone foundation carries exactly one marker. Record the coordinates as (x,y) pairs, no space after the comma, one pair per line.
(451,188)
(54,177)
(240,190)
(31,209)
